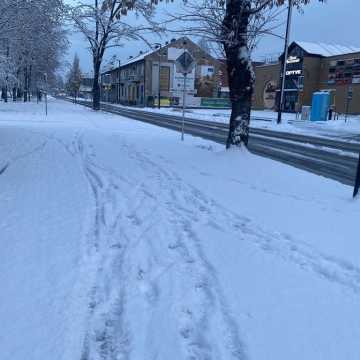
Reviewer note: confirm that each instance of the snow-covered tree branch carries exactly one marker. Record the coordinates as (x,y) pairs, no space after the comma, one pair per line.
(104,23)
(32,42)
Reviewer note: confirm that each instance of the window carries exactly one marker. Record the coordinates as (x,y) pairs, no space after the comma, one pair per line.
(332,70)
(331,79)
(340,63)
(165,78)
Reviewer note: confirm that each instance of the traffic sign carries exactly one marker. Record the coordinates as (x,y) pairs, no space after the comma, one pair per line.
(185,63)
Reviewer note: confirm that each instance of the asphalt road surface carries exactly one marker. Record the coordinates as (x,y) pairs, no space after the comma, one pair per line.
(333,158)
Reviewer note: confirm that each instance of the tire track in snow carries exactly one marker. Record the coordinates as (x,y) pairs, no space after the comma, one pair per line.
(143,231)
(328,267)
(206,327)
(16,158)
(162,276)
(106,335)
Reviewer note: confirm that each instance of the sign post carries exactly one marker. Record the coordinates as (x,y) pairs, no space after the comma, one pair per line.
(185,65)
(357,180)
(183,109)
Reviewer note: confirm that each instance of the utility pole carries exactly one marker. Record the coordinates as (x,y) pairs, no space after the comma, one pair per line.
(286,49)
(159,46)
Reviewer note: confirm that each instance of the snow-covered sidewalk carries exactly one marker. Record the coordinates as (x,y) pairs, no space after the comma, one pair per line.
(120,242)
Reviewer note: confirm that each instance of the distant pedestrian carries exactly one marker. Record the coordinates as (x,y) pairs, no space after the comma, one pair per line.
(331,110)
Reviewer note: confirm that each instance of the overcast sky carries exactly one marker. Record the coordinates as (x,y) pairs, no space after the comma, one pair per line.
(337,21)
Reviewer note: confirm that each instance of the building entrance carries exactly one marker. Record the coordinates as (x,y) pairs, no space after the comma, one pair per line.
(290,101)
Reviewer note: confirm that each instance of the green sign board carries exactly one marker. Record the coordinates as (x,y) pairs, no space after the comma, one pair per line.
(215,102)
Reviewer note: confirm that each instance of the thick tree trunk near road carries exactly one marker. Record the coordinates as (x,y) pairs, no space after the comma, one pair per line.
(240,72)
(96,86)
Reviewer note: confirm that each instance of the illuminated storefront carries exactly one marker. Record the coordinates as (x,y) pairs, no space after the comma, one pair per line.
(311,67)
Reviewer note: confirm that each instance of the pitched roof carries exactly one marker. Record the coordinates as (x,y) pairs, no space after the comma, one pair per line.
(138,57)
(326,50)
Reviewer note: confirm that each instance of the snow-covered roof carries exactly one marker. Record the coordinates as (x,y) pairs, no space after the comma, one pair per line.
(326,50)
(138,57)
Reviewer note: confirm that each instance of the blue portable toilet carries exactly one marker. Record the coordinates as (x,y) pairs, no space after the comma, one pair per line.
(320,106)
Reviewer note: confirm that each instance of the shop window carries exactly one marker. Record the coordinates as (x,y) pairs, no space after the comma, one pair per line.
(339,75)
(332,79)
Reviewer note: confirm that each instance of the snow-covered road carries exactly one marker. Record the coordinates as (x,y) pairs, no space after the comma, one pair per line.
(120,242)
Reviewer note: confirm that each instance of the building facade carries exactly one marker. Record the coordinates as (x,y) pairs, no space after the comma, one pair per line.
(311,67)
(136,81)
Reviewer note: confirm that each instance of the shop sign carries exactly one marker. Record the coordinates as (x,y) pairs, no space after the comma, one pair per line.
(292,60)
(293,72)
(356,79)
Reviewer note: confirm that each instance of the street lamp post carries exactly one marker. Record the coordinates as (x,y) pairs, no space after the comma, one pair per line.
(159,88)
(286,49)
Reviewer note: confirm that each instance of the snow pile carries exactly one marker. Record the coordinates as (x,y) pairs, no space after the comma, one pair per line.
(121,242)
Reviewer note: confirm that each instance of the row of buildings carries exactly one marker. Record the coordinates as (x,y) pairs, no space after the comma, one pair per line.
(136,81)
(310,67)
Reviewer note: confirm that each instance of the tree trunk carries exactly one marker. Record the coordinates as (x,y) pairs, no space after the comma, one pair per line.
(25,84)
(29,84)
(240,72)
(4,94)
(96,86)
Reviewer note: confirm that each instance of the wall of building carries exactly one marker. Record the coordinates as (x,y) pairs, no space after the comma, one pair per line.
(317,76)
(311,73)
(204,84)
(266,83)
(339,87)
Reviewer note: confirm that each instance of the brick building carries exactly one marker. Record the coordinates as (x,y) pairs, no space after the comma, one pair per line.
(311,67)
(136,81)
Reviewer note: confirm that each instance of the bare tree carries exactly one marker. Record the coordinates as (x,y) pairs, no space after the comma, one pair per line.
(103,23)
(235,26)
(74,78)
(35,41)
